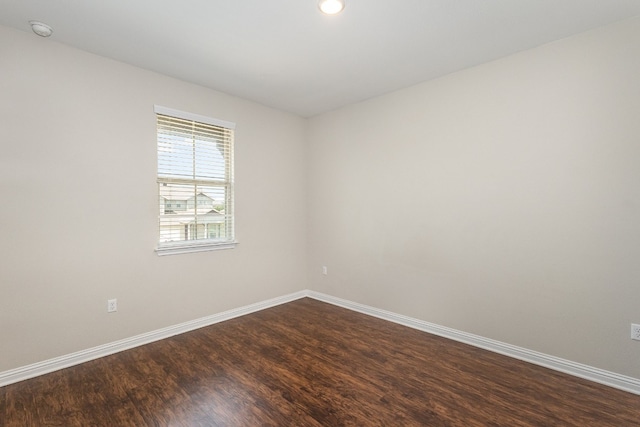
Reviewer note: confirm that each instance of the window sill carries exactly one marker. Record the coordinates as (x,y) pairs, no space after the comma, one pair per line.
(194,247)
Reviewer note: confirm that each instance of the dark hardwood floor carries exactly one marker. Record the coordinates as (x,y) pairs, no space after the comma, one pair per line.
(308,363)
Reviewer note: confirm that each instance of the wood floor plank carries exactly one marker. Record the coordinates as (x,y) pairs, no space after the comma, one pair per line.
(308,363)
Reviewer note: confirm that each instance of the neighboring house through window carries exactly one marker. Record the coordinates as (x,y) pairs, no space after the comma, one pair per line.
(195,182)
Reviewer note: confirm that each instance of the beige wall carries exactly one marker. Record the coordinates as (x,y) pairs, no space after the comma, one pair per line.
(79,214)
(503,200)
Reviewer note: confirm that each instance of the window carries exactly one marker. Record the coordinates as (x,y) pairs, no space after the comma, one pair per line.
(195,179)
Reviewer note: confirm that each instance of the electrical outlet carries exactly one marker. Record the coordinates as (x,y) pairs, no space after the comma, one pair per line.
(324,270)
(635,332)
(112,305)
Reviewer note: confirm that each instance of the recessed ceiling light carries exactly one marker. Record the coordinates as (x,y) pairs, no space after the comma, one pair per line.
(43,30)
(331,7)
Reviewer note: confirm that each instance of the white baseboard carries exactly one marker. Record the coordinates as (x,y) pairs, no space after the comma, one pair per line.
(597,375)
(590,373)
(47,366)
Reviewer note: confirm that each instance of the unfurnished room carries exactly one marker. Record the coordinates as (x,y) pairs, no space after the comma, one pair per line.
(320,213)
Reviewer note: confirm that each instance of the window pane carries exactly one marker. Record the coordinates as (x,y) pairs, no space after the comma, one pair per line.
(190,152)
(193,212)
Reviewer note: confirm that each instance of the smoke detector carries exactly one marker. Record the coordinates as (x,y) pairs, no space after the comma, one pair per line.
(41,29)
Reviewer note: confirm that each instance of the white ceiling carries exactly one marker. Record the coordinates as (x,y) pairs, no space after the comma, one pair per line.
(287,55)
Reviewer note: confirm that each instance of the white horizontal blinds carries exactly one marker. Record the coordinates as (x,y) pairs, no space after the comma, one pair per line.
(195,181)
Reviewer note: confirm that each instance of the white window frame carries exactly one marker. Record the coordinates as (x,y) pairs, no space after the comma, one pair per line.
(205,244)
